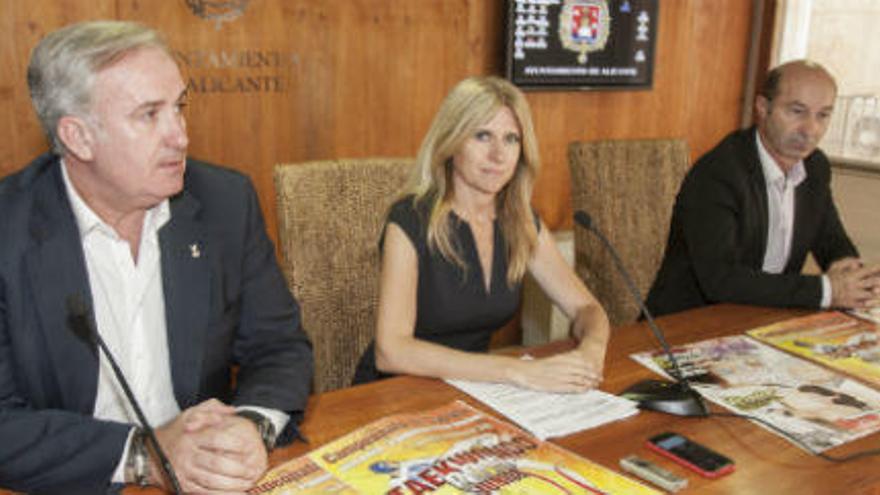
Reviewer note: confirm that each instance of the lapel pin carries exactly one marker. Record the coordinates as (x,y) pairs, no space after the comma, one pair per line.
(194,251)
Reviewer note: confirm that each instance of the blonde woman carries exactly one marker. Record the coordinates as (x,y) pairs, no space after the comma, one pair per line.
(457,245)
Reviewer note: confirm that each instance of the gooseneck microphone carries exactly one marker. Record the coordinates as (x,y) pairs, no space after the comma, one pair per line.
(79,320)
(673,398)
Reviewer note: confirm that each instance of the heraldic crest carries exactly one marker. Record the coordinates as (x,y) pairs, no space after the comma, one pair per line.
(584,26)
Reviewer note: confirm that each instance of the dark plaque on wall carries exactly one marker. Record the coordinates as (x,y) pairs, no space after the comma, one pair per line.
(581,44)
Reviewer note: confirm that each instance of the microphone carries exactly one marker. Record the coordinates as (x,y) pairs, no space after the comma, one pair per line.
(676,398)
(81,324)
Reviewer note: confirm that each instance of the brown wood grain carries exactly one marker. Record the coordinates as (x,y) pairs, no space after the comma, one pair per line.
(22,24)
(765,463)
(366,80)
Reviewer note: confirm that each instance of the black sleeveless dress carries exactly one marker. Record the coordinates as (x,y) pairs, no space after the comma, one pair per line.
(453,307)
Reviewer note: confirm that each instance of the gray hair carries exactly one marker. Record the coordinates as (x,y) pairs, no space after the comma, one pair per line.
(63,66)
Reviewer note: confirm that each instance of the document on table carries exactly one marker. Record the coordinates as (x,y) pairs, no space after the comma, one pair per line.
(872,314)
(547,415)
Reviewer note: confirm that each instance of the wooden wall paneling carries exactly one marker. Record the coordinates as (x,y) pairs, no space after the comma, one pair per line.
(365,78)
(563,117)
(399,62)
(296,80)
(485,43)
(22,25)
(242,75)
(717,72)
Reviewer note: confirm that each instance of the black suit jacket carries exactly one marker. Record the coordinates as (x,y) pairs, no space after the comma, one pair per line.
(229,305)
(718,234)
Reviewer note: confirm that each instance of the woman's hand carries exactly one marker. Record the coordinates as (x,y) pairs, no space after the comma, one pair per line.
(592,351)
(567,372)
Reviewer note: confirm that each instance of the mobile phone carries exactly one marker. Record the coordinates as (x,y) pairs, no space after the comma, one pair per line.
(690,454)
(649,471)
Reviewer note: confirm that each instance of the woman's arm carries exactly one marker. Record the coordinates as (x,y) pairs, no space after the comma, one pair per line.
(398,351)
(589,322)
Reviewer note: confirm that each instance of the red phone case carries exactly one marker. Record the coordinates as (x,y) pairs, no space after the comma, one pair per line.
(726,469)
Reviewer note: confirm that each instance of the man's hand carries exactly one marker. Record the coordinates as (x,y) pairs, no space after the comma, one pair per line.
(212,450)
(853,285)
(845,264)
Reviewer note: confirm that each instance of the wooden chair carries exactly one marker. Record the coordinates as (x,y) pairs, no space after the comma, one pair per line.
(330,216)
(628,187)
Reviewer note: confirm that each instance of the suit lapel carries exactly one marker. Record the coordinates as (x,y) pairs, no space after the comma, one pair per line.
(56,267)
(758,190)
(186,278)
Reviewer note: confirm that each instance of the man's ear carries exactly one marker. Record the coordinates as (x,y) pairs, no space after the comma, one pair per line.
(77,136)
(762,107)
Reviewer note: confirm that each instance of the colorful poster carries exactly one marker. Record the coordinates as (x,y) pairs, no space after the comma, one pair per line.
(837,340)
(816,407)
(303,477)
(450,450)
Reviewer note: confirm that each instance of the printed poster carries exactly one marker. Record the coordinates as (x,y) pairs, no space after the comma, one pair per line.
(834,339)
(450,450)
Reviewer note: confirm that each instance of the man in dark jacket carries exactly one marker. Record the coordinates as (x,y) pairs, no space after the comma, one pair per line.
(752,208)
(166,257)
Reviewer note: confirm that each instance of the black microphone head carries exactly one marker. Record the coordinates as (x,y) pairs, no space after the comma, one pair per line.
(78,317)
(584,219)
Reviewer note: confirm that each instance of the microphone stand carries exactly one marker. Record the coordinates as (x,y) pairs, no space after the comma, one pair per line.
(676,397)
(83,328)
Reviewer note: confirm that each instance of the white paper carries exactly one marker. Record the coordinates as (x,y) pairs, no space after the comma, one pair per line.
(547,415)
(871,314)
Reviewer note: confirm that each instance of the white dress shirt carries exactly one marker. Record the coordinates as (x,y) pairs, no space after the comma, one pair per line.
(780,214)
(129,305)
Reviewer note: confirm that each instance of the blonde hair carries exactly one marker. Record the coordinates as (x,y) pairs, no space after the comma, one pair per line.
(470,104)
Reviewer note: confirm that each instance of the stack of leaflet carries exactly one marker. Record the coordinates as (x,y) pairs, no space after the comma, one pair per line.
(872,314)
(548,415)
(811,405)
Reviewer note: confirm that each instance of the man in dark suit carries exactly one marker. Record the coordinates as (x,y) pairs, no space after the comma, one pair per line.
(178,273)
(752,208)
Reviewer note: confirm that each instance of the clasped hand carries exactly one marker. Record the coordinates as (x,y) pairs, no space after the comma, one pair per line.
(854,285)
(212,450)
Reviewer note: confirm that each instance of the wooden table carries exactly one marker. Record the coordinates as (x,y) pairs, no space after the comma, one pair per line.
(765,463)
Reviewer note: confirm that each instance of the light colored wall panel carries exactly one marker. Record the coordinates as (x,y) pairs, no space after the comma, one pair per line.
(857,195)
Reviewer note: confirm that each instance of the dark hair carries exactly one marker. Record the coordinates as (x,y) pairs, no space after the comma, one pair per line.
(770,88)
